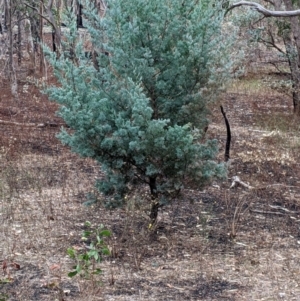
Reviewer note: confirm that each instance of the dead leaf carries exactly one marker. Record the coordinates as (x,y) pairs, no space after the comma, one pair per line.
(4,266)
(54,267)
(16,265)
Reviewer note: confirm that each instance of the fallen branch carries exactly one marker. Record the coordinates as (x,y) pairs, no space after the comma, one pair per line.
(284,209)
(266,212)
(237,180)
(38,125)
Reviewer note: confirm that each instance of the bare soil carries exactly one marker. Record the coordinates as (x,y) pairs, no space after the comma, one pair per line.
(218,244)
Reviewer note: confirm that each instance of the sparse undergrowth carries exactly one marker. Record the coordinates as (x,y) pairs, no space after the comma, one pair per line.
(218,244)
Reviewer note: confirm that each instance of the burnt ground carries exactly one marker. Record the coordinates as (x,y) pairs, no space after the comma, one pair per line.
(218,244)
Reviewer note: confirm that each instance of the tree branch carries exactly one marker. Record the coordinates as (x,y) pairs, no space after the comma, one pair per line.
(43,16)
(264,11)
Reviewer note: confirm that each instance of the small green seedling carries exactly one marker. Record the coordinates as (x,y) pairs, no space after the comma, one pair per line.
(87,262)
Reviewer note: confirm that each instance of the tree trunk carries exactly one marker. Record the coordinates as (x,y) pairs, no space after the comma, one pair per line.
(1,29)
(41,40)
(11,70)
(290,35)
(292,43)
(155,204)
(79,15)
(34,28)
(30,48)
(5,15)
(295,75)
(56,30)
(19,44)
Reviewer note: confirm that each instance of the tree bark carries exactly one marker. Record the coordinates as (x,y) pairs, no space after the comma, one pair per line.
(42,67)
(295,73)
(11,70)
(5,15)
(19,44)
(155,204)
(34,27)
(292,42)
(79,15)
(56,30)
(30,46)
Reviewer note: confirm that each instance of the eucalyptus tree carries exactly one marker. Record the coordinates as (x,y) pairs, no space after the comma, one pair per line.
(287,26)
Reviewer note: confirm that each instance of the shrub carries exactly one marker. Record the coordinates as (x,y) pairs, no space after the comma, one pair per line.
(142,109)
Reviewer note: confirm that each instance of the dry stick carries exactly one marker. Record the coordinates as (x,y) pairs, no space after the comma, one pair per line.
(38,125)
(227,148)
(267,212)
(237,180)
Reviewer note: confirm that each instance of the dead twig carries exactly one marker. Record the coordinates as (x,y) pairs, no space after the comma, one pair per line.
(267,212)
(38,125)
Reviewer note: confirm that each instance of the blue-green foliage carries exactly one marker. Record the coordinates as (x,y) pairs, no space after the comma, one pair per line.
(141,112)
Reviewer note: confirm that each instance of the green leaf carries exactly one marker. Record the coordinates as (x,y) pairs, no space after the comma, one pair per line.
(99,240)
(93,254)
(105,251)
(78,268)
(87,224)
(105,233)
(97,272)
(72,274)
(86,233)
(85,257)
(71,252)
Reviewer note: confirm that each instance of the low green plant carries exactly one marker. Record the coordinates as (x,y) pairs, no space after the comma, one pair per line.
(87,262)
(3,297)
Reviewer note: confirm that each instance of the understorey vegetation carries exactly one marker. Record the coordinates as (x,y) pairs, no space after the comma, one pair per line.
(141,105)
(142,119)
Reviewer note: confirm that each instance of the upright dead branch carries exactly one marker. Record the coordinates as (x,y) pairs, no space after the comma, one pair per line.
(228,140)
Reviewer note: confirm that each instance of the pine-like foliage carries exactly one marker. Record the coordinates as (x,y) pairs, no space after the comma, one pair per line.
(141,111)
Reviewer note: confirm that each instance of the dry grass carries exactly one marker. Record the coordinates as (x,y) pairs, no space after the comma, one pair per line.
(218,244)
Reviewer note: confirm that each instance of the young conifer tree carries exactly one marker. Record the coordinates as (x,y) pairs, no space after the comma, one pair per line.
(142,109)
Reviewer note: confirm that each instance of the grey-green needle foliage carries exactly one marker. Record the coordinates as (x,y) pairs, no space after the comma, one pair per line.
(141,110)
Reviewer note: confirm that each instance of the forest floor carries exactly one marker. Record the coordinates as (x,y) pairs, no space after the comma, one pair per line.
(222,243)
